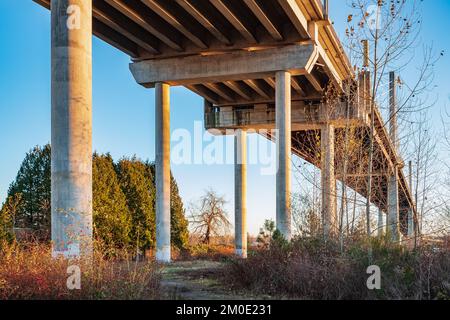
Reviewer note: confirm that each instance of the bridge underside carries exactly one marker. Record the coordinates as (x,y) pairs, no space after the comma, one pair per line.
(352,143)
(258,64)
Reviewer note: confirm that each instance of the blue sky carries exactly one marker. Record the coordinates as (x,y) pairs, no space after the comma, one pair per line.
(123,112)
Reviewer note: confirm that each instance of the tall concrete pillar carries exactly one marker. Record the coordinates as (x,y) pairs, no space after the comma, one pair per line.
(393,220)
(240,192)
(380,223)
(410,223)
(393,126)
(162,169)
(283,126)
(71,134)
(329,203)
(393,226)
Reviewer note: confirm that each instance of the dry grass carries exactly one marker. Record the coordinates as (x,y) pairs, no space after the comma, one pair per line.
(29,272)
(311,269)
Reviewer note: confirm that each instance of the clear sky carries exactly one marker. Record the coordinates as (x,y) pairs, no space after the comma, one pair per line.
(123,112)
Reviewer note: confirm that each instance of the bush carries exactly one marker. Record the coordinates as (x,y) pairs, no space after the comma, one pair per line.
(214,252)
(29,272)
(312,269)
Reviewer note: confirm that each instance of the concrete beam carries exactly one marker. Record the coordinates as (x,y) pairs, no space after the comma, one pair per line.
(240,192)
(71,137)
(205,21)
(264,19)
(295,14)
(237,23)
(162,168)
(329,203)
(283,141)
(147,22)
(175,22)
(242,65)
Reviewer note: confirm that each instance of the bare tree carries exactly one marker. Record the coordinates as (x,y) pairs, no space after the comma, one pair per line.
(208,217)
(391,29)
(306,215)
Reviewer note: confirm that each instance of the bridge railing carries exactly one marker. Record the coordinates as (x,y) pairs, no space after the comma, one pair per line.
(304,114)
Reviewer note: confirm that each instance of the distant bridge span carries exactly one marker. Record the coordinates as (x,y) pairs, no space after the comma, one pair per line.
(260,64)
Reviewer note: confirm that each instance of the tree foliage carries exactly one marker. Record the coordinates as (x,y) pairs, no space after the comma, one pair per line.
(33,183)
(112,217)
(137,183)
(123,201)
(8,215)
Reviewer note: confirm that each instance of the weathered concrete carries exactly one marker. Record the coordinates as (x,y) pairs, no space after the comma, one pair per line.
(162,168)
(380,230)
(410,223)
(393,226)
(283,140)
(240,192)
(328,179)
(393,223)
(393,126)
(71,137)
(298,59)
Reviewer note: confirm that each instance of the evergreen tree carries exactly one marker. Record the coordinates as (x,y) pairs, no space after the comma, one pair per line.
(112,218)
(8,215)
(33,183)
(123,200)
(138,187)
(179,233)
(179,225)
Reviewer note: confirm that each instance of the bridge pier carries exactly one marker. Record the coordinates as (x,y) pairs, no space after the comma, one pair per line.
(393,226)
(411,226)
(328,181)
(380,231)
(71,129)
(240,192)
(162,170)
(393,220)
(283,127)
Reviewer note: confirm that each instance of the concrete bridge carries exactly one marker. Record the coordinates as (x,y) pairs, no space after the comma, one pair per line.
(259,64)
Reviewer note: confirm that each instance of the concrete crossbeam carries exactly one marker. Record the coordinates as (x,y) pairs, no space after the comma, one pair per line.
(242,65)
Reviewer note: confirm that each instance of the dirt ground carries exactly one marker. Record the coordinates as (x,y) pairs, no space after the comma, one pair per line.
(197,280)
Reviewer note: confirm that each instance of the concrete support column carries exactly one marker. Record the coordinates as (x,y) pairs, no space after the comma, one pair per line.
(162,169)
(380,223)
(393,220)
(71,133)
(240,192)
(410,223)
(329,203)
(393,225)
(283,126)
